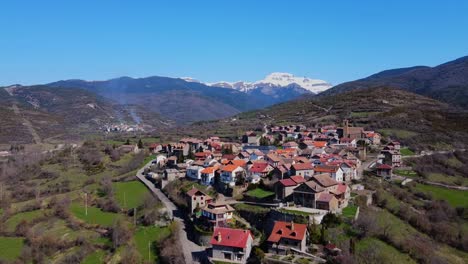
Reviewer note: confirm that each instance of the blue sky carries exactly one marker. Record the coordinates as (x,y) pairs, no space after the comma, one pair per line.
(43,41)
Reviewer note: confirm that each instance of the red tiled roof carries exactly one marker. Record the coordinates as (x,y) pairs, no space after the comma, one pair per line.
(229,237)
(288,182)
(259,167)
(202,154)
(384,166)
(325,197)
(287,230)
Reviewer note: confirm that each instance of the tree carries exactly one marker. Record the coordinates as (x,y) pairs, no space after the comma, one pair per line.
(264,141)
(127,142)
(330,220)
(130,255)
(140,144)
(121,233)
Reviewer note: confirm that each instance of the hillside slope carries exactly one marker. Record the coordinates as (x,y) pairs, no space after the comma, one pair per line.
(33,113)
(447,82)
(416,120)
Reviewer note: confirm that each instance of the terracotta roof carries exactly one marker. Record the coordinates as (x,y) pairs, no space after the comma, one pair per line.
(329,169)
(194,191)
(230,168)
(209,170)
(303,166)
(230,237)
(287,230)
(324,179)
(320,144)
(240,163)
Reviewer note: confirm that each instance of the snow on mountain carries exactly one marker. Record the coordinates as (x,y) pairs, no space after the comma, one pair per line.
(277,79)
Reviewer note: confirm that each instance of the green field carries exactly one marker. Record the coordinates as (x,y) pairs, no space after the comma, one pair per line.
(259,193)
(349,211)
(96,257)
(406,173)
(145,236)
(58,228)
(406,152)
(453,197)
(399,133)
(13,221)
(95,215)
(385,251)
(10,247)
(130,194)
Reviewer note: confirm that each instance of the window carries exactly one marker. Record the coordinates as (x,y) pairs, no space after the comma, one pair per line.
(227,255)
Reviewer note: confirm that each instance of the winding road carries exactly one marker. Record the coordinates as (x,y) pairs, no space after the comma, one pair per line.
(193,253)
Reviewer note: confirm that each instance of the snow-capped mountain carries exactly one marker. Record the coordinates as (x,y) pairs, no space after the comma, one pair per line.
(277,80)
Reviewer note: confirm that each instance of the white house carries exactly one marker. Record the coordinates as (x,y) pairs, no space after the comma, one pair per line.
(229,173)
(207,175)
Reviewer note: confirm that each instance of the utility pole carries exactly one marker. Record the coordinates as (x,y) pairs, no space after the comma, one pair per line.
(149,251)
(86,204)
(134,216)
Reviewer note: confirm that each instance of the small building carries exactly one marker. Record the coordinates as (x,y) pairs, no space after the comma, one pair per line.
(231,245)
(194,172)
(172,174)
(229,174)
(208,175)
(335,171)
(384,170)
(305,170)
(284,188)
(286,236)
(217,212)
(327,201)
(197,199)
(129,149)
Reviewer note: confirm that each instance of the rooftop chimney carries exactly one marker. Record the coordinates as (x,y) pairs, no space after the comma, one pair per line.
(292,225)
(219,237)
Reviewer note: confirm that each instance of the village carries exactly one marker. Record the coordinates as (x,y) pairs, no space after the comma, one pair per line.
(305,176)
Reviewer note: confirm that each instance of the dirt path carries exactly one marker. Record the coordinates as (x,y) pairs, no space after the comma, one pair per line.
(27,124)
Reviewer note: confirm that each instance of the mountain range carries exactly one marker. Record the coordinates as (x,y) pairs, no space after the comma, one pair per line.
(186,100)
(447,82)
(76,107)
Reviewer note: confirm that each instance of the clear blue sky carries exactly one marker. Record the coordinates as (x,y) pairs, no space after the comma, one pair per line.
(43,41)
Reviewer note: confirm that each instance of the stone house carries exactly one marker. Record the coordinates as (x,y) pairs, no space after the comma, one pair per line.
(231,245)
(286,236)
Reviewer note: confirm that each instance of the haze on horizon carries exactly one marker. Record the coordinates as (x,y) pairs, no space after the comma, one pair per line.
(230,41)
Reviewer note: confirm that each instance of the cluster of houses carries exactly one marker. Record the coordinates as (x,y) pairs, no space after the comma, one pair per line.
(307,167)
(389,158)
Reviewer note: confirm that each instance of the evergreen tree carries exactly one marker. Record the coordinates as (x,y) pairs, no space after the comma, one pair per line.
(140,144)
